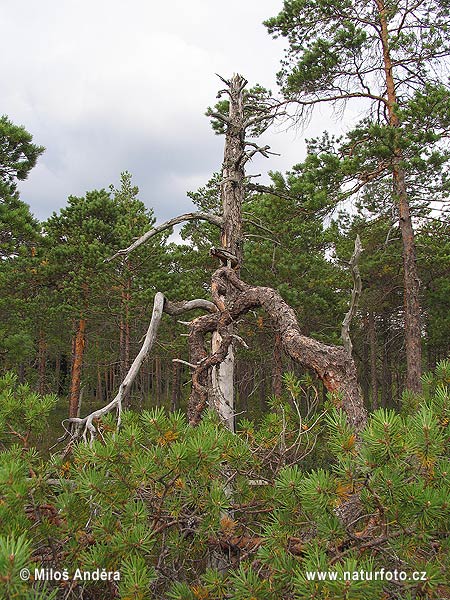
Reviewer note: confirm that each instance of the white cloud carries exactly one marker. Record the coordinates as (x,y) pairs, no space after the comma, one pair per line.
(108,86)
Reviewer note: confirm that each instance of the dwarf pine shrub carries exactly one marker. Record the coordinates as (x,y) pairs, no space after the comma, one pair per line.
(295,506)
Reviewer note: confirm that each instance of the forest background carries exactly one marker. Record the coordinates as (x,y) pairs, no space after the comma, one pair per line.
(72,321)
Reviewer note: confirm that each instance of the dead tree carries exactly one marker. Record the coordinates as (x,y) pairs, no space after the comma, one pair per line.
(213,367)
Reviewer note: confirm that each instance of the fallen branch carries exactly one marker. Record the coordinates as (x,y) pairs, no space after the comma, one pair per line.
(80,426)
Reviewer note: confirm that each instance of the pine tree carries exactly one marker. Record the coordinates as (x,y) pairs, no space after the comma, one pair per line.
(385,54)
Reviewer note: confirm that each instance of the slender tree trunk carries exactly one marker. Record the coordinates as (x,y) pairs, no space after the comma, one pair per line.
(176,382)
(42,362)
(411,280)
(373,360)
(277,368)
(77,365)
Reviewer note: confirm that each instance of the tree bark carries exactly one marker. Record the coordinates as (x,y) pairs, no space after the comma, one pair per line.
(42,362)
(277,368)
(332,364)
(373,360)
(77,365)
(411,280)
(231,238)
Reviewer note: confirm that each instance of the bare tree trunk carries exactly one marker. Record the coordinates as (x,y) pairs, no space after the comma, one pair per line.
(77,365)
(223,383)
(411,280)
(232,196)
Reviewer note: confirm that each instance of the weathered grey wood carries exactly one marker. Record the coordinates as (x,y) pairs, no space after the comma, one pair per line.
(195,216)
(81,426)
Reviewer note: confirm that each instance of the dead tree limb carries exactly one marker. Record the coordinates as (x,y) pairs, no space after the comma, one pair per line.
(195,216)
(80,427)
(332,364)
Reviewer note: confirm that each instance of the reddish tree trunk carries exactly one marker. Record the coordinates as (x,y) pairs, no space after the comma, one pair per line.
(77,366)
(411,280)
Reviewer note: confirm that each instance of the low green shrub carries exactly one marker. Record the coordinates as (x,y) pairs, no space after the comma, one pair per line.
(201,513)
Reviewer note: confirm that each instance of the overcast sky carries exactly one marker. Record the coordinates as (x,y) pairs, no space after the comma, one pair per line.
(109,86)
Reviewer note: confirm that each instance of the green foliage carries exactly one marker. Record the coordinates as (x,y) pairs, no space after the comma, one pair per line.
(334,50)
(17,155)
(22,412)
(161,502)
(15,556)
